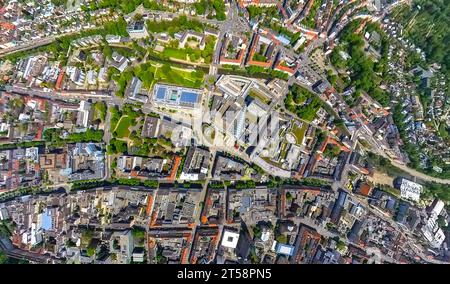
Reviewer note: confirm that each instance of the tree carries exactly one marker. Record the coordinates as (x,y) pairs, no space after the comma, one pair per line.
(117,146)
(310,103)
(114,164)
(138,17)
(257,232)
(151,183)
(441,221)
(86,237)
(200,7)
(101,108)
(147,78)
(289,196)
(332,151)
(107,51)
(3,258)
(282,239)
(443,131)
(219,7)
(59,2)
(138,234)
(131,181)
(90,251)
(70,243)
(245,184)
(363,70)
(118,27)
(116,245)
(340,245)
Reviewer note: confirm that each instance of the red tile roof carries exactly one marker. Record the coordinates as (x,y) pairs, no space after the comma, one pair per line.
(59,80)
(7,26)
(364,189)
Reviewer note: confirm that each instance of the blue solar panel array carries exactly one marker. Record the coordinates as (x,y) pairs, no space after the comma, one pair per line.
(188,97)
(176,95)
(161,93)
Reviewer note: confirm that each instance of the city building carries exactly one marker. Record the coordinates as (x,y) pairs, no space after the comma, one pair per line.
(176,97)
(137,30)
(408,189)
(196,164)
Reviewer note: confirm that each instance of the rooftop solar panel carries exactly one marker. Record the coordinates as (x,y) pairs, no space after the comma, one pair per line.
(161,93)
(188,97)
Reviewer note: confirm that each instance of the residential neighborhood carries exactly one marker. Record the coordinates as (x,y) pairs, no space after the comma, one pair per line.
(223,132)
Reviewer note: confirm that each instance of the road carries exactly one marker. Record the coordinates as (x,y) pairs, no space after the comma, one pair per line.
(232,24)
(29,45)
(12,251)
(47,40)
(226,27)
(401,229)
(418,174)
(198,210)
(33,44)
(147,108)
(377,148)
(332,235)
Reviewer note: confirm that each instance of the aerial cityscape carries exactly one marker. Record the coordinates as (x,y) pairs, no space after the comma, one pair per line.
(224,132)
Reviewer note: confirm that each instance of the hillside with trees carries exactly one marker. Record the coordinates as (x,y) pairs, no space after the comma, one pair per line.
(426,24)
(365,74)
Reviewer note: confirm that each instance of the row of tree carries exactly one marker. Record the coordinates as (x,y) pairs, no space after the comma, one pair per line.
(427,26)
(363,69)
(302,102)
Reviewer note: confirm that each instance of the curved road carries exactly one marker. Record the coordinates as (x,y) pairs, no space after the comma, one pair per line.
(375,148)
(418,174)
(403,167)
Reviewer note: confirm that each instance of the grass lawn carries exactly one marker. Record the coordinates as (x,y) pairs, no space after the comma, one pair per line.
(181,77)
(175,53)
(169,74)
(258,57)
(299,132)
(284,150)
(391,190)
(122,127)
(257,95)
(269,161)
(192,54)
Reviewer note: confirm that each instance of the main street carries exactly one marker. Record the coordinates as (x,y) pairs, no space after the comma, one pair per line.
(333,235)
(233,24)
(378,149)
(29,45)
(147,108)
(228,26)
(35,43)
(400,228)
